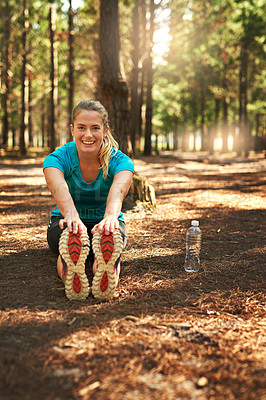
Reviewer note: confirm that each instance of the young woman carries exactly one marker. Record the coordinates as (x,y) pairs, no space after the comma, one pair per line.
(88,178)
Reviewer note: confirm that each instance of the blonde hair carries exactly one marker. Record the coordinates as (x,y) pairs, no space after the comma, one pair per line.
(108,141)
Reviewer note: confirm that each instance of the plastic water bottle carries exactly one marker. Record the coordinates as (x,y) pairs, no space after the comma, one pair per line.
(193,244)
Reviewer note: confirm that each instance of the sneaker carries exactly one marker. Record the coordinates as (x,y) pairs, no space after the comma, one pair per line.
(74,249)
(107,250)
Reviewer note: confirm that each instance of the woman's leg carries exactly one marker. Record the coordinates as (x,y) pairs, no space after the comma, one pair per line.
(53,234)
(60,267)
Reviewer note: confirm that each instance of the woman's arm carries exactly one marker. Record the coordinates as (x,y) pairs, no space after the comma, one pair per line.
(117,193)
(58,187)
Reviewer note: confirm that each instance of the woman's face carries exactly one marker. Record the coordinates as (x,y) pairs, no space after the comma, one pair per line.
(88,132)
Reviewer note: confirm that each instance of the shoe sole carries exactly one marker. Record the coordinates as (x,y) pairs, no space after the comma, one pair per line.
(74,249)
(107,249)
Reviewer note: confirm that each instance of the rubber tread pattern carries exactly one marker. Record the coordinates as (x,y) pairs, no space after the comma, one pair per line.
(74,249)
(107,249)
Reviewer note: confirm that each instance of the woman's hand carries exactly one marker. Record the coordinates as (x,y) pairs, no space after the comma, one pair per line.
(73,223)
(106,226)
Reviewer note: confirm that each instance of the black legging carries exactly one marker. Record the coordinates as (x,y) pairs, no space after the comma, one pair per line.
(54,232)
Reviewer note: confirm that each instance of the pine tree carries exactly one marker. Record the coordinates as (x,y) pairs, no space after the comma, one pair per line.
(113,90)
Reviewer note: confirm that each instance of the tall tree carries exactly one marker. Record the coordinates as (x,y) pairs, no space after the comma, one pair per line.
(6,72)
(70,65)
(52,133)
(243,93)
(24,99)
(135,37)
(149,72)
(143,49)
(30,109)
(113,91)
(5,65)
(225,118)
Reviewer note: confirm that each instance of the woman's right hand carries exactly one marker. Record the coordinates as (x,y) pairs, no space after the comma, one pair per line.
(73,223)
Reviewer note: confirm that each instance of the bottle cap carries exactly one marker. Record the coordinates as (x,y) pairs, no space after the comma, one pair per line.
(194,223)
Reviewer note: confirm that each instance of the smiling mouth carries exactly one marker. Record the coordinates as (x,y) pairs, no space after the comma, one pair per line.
(87,142)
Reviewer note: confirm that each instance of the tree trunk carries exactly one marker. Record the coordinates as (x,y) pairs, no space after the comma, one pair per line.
(44,120)
(194,122)
(149,100)
(51,134)
(135,36)
(175,133)
(13,137)
(142,72)
(243,100)
(23,121)
(6,79)
(156,148)
(194,134)
(70,66)
(226,101)
(113,91)
(167,139)
(204,141)
(140,106)
(184,144)
(43,129)
(184,134)
(225,124)
(214,128)
(30,111)
(148,113)
(257,141)
(142,191)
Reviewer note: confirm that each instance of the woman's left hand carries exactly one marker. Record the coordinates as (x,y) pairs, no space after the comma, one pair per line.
(106,226)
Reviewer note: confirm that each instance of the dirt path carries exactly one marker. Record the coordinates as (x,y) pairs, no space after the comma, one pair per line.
(166,335)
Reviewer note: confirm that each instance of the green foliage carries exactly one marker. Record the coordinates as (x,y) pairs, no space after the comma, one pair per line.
(204,60)
(202,65)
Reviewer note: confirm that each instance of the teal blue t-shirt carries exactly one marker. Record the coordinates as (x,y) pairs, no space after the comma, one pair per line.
(89,198)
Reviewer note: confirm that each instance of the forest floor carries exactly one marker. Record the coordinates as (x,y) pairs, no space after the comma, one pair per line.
(166,334)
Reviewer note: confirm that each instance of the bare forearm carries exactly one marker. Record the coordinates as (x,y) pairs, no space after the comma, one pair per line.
(115,199)
(64,200)
(60,192)
(113,205)
(117,193)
